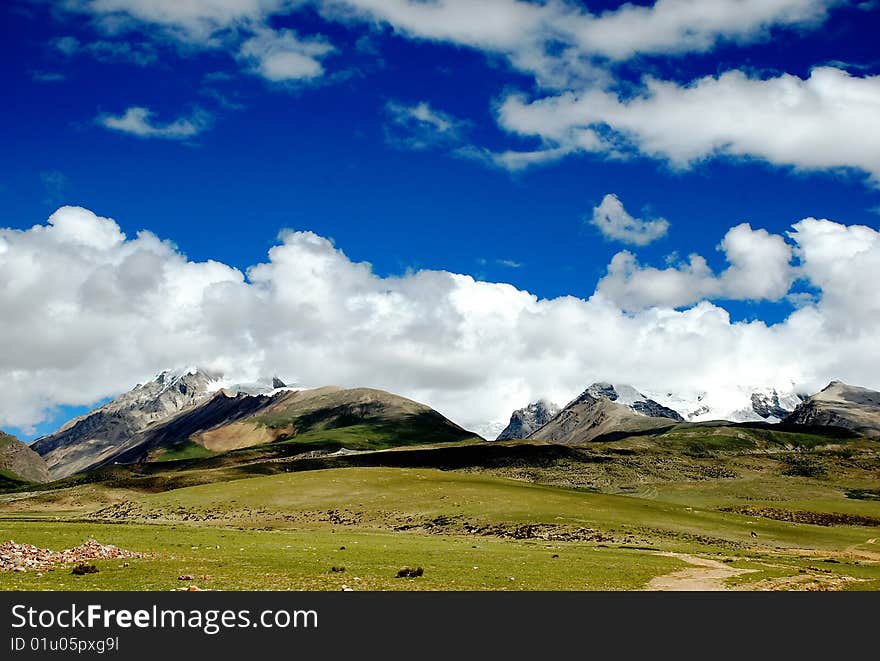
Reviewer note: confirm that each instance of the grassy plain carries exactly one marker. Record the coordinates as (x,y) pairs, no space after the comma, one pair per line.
(780,510)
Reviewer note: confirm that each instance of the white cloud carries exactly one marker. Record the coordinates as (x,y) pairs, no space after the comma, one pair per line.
(197,21)
(241,27)
(141,54)
(67,45)
(47,76)
(89,312)
(280,56)
(419,126)
(137,121)
(760,269)
(682,26)
(512,160)
(823,121)
(523,30)
(558,41)
(617,224)
(843,262)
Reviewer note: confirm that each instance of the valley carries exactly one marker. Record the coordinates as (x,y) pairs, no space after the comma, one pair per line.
(337,489)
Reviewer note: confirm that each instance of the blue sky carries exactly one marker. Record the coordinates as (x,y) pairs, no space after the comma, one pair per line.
(328,153)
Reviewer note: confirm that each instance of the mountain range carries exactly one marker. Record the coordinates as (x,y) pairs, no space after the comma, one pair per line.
(743,405)
(603,409)
(194,414)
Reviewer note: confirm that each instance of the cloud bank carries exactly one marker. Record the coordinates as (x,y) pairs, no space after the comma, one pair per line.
(87,312)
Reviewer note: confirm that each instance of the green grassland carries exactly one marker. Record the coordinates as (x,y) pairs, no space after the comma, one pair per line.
(186,450)
(231,559)
(474,515)
(9,480)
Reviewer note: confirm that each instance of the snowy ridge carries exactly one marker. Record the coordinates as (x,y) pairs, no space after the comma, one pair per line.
(738,404)
(171,378)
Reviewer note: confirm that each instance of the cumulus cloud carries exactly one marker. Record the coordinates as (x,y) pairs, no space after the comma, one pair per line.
(88,312)
(760,269)
(138,121)
(616,224)
(842,262)
(823,121)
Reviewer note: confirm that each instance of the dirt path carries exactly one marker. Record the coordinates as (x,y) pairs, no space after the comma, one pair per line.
(705,575)
(855,551)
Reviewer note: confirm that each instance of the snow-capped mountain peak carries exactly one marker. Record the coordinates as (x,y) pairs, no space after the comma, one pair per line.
(105,428)
(627,396)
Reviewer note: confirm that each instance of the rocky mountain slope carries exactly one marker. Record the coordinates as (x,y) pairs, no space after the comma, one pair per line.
(528,420)
(603,409)
(740,404)
(841,405)
(98,435)
(19,462)
(191,413)
(352,418)
(632,399)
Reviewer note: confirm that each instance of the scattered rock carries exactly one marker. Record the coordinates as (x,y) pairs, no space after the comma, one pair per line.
(185,577)
(24,557)
(798,516)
